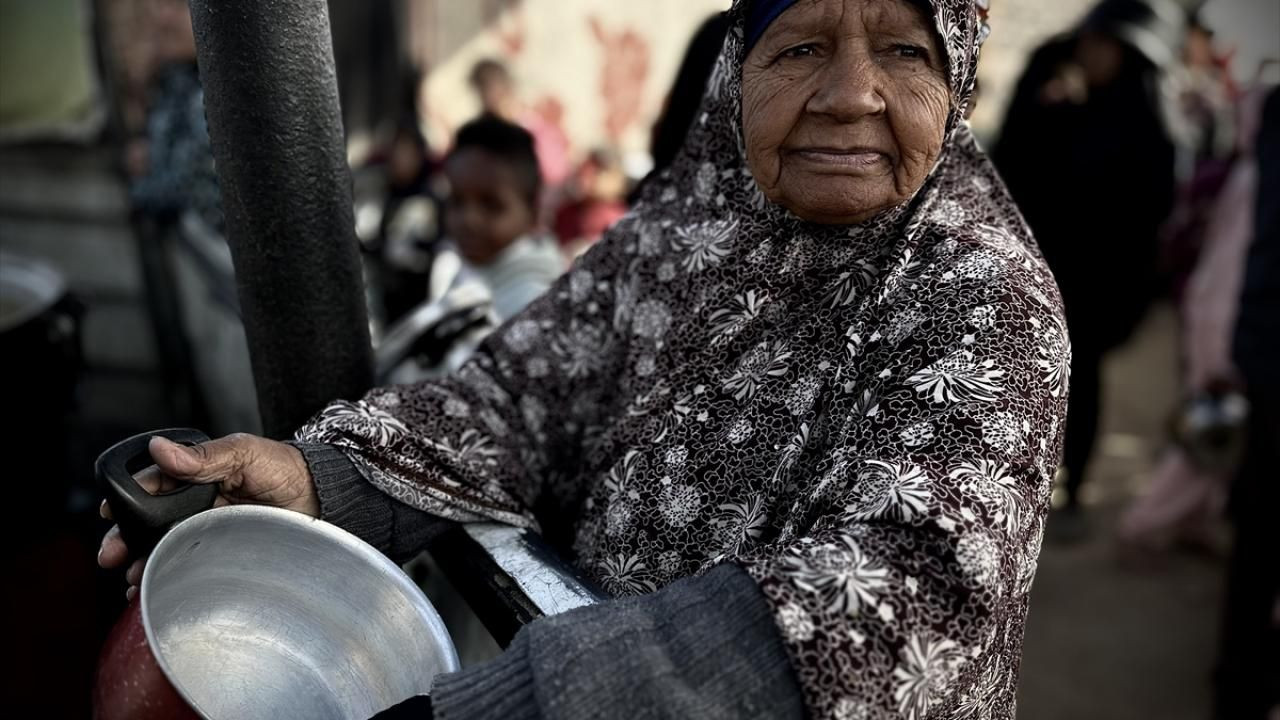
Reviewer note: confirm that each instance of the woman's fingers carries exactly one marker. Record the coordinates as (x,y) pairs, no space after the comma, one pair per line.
(176,465)
(151,480)
(133,575)
(113,552)
(154,481)
(181,461)
(208,462)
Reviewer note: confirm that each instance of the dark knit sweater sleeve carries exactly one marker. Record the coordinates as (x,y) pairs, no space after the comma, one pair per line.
(349,501)
(704,647)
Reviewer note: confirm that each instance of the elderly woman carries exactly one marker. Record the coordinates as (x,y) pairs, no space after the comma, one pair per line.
(799,410)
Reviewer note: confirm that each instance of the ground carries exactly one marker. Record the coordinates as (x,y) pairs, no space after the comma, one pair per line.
(1113,641)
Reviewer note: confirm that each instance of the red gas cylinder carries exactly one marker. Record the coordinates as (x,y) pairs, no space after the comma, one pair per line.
(130,684)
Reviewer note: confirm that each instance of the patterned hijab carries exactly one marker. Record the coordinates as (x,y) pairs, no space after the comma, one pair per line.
(864,418)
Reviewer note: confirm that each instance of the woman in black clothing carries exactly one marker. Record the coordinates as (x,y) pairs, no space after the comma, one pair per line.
(1088,156)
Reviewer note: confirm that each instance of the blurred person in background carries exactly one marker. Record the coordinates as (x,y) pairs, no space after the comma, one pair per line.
(493,249)
(1088,154)
(173,190)
(594,200)
(491,215)
(496,90)
(172,165)
(680,108)
(1248,674)
(1206,113)
(1208,93)
(408,229)
(1206,240)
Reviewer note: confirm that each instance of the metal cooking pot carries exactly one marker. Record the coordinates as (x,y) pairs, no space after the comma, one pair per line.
(29,289)
(258,612)
(1211,427)
(40,345)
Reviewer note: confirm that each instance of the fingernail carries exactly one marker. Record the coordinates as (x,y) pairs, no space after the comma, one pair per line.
(128,594)
(167,441)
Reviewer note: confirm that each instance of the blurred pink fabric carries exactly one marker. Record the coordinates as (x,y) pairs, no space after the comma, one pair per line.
(1183,500)
(551,145)
(1179,506)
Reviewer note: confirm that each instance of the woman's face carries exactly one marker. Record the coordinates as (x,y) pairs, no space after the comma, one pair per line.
(844,107)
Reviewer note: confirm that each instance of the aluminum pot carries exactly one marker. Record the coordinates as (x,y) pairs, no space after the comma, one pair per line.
(39,338)
(257,612)
(40,344)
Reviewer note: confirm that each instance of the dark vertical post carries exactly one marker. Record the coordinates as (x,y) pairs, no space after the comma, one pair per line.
(271,97)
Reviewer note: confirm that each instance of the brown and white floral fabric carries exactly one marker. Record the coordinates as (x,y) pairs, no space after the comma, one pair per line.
(867,419)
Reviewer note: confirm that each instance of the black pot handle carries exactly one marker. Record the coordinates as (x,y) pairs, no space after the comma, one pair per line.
(145,518)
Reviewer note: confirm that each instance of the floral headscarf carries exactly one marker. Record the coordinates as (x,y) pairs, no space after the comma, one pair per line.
(865,418)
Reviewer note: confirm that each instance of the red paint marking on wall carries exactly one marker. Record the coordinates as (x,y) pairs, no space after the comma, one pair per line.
(511,28)
(622,77)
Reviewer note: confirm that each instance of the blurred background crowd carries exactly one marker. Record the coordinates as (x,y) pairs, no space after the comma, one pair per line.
(491,141)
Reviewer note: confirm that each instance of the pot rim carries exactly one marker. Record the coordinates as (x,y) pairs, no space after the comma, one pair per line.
(37,285)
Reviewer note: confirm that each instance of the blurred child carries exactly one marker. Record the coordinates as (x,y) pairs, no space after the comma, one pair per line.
(496,90)
(492,215)
(408,221)
(594,201)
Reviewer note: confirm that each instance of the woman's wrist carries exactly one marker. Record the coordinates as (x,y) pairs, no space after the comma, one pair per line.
(308,498)
(343,496)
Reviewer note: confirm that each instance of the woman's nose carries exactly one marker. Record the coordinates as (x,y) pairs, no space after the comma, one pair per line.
(850,87)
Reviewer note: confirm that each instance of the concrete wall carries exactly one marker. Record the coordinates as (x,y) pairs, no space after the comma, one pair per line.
(591,57)
(603,68)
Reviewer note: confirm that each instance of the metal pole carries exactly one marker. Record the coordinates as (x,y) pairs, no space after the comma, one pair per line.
(271,98)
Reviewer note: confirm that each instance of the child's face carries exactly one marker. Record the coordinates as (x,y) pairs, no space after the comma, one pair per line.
(487,211)
(406,161)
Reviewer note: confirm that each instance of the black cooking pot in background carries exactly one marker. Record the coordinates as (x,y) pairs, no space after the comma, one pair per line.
(40,347)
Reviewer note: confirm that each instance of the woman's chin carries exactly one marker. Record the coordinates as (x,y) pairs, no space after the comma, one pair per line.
(831,207)
(835,199)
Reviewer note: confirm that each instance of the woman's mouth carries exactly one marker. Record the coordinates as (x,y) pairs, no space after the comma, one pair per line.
(843,159)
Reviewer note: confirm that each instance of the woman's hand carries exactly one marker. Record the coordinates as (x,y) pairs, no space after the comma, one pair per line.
(251,470)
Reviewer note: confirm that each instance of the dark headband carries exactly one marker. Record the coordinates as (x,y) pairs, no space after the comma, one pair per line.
(760,14)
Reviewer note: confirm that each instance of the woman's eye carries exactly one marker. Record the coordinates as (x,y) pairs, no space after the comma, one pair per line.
(800,51)
(914,52)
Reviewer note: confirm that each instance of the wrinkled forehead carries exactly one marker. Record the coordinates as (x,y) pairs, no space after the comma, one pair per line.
(956,22)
